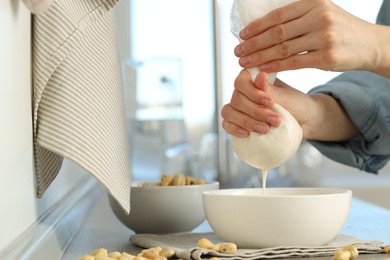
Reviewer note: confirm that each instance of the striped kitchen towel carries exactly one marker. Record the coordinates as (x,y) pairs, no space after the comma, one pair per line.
(185,247)
(77,95)
(38,6)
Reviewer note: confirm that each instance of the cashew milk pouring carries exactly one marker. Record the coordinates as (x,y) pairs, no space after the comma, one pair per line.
(270,150)
(267,151)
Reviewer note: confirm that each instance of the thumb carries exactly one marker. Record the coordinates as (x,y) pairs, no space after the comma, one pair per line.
(261,82)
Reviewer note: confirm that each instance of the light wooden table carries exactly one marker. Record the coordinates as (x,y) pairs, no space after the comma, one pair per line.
(101,229)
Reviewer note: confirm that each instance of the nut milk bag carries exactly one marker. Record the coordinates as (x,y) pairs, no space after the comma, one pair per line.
(264,151)
(245,11)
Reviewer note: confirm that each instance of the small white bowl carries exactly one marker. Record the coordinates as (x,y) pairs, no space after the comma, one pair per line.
(280,217)
(167,209)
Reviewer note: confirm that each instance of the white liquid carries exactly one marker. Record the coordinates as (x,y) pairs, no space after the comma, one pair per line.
(264,173)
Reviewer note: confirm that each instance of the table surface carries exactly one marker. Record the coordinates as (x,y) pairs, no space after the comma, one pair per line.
(101,229)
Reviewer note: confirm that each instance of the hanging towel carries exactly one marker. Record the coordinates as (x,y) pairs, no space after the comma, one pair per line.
(77,95)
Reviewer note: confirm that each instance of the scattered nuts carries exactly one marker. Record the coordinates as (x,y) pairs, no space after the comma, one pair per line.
(158,253)
(177,180)
(225,248)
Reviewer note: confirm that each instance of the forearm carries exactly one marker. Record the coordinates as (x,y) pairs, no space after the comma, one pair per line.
(329,121)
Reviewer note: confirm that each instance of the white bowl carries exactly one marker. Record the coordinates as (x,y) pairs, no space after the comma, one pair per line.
(160,210)
(280,217)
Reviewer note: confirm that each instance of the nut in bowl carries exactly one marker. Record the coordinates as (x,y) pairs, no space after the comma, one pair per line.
(279,217)
(163,209)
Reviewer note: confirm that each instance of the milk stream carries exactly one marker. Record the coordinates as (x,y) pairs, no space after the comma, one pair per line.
(264,173)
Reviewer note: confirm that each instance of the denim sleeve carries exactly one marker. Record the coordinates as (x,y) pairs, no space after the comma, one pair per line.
(365,97)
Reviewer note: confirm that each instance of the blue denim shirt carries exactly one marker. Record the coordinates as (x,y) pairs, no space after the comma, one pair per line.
(366,98)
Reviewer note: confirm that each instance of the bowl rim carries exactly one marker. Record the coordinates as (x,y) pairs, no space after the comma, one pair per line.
(138,185)
(239,192)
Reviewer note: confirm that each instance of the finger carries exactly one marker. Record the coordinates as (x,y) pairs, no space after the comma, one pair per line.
(240,124)
(256,94)
(277,16)
(307,43)
(307,60)
(261,82)
(234,129)
(275,35)
(242,104)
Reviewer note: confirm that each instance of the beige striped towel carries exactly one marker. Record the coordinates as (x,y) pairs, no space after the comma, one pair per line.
(78,101)
(185,246)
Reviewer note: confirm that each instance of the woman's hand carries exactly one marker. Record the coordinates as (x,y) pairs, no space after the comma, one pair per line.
(320,116)
(313,34)
(250,107)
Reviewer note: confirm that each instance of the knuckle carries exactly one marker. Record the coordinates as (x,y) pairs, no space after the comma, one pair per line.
(322,4)
(330,57)
(330,53)
(246,122)
(278,14)
(225,125)
(326,19)
(236,101)
(285,50)
(295,62)
(225,111)
(258,113)
(329,39)
(239,80)
(278,33)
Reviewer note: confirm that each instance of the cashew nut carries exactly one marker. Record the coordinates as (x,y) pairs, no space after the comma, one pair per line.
(167,252)
(205,243)
(126,256)
(165,180)
(179,180)
(189,180)
(387,249)
(226,248)
(103,257)
(353,251)
(115,254)
(86,257)
(100,251)
(198,181)
(342,254)
(346,253)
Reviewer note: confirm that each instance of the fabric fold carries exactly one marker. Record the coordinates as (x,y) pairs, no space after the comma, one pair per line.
(185,246)
(78,108)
